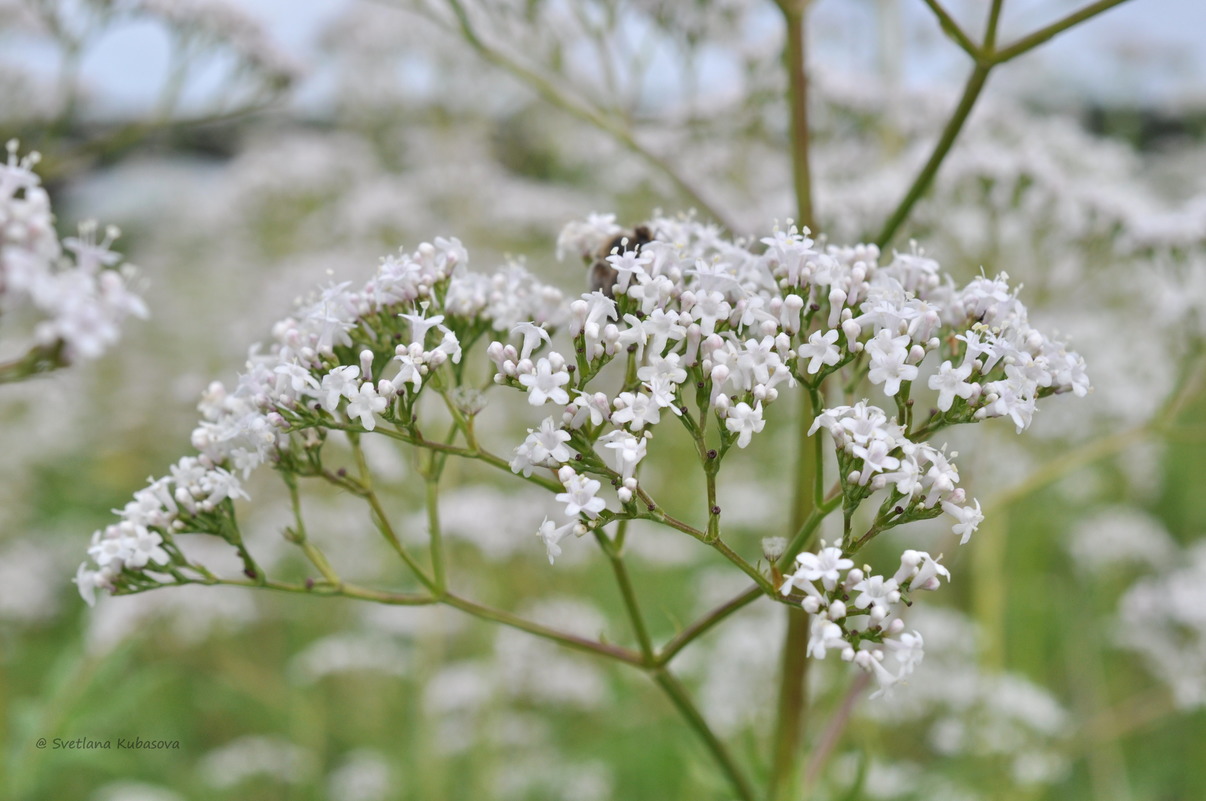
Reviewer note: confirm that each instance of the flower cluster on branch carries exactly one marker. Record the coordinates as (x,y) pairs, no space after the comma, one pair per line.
(684,327)
(78,287)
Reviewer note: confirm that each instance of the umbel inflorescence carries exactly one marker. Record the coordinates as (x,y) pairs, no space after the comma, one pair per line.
(684,328)
(78,288)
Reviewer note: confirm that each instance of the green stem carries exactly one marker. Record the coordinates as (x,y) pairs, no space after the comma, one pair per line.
(793,676)
(971,92)
(795,57)
(710,469)
(717,544)
(682,701)
(419,441)
(301,538)
(477,610)
(990,30)
(986,57)
(792,704)
(344,590)
(564,638)
(1028,43)
(39,359)
(952,29)
(320,561)
(435,532)
(706,622)
(802,536)
(624,582)
(381,519)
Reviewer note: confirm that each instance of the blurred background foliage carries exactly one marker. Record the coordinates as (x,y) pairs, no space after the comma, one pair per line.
(1067,660)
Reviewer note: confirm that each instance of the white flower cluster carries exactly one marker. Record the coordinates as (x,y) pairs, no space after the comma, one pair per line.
(879,454)
(324,367)
(189,498)
(857,613)
(683,325)
(690,308)
(83,298)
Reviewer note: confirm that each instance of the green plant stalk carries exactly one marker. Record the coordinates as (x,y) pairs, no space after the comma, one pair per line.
(1028,43)
(478,454)
(568,640)
(985,57)
(677,694)
(793,696)
(705,623)
(438,570)
(717,544)
(990,30)
(792,705)
(312,552)
(573,641)
(381,519)
(989,588)
(624,583)
(804,534)
(952,29)
(795,58)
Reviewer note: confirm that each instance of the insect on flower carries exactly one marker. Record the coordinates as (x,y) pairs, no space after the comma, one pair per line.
(602,275)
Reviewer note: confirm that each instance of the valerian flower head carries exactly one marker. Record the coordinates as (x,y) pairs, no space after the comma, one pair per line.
(79,288)
(710,330)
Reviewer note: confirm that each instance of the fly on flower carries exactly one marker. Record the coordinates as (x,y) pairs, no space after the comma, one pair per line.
(602,274)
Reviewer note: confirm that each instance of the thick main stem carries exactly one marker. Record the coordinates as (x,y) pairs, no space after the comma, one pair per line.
(797,99)
(793,676)
(793,695)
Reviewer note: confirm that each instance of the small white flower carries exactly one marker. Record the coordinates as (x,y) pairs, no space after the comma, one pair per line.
(637,410)
(888,367)
(969,518)
(299,377)
(580,494)
(825,634)
(339,382)
(886,679)
(825,566)
(951,381)
(909,650)
(552,534)
(420,325)
(877,592)
(921,570)
(546,384)
(745,421)
(365,403)
(89,581)
(629,451)
(667,368)
(543,445)
(144,547)
(532,336)
(821,349)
